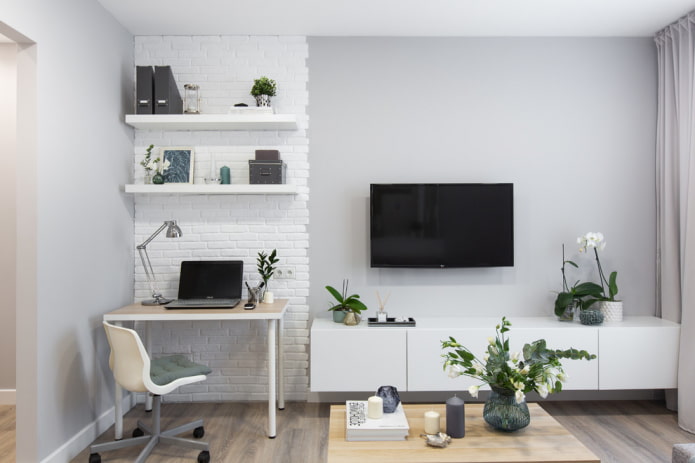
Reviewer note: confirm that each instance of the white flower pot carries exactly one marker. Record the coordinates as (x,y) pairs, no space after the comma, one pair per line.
(612,311)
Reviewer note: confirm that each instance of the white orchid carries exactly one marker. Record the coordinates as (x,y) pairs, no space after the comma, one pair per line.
(519,396)
(164,165)
(591,240)
(473,391)
(455,371)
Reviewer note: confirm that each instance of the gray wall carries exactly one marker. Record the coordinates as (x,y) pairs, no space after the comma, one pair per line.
(83,223)
(571,122)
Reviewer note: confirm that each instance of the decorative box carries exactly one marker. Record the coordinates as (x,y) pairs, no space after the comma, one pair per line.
(267,172)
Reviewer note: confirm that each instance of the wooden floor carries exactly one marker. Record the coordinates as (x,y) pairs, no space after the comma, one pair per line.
(617,431)
(8,436)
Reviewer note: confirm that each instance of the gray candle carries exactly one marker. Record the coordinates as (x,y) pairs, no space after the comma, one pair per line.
(455,417)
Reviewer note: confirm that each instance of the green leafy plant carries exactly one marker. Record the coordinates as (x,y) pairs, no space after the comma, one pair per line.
(148,163)
(582,294)
(350,303)
(536,368)
(265,263)
(263,86)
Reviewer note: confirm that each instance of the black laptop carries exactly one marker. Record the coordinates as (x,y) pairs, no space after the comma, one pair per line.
(209,284)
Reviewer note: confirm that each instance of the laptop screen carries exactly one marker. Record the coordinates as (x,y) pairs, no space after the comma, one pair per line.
(206,279)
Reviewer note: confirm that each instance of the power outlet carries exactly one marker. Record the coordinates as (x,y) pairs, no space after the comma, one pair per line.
(284,273)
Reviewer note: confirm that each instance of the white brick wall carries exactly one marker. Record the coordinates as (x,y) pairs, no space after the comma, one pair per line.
(228,226)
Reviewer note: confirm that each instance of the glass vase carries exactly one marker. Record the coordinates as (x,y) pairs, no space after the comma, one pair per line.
(570,311)
(158,179)
(503,413)
(148,177)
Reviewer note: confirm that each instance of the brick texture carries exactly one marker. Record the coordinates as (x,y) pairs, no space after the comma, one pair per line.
(230,226)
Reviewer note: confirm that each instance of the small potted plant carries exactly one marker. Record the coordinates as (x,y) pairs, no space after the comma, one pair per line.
(348,308)
(610,308)
(265,263)
(149,164)
(572,299)
(263,88)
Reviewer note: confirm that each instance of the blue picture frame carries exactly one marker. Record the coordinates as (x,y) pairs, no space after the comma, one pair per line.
(180,164)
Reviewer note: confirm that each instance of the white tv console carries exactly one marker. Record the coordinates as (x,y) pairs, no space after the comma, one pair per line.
(637,353)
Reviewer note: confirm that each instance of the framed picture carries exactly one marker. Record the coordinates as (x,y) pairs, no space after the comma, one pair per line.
(181,164)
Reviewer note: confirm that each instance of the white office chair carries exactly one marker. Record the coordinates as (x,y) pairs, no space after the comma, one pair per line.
(134,371)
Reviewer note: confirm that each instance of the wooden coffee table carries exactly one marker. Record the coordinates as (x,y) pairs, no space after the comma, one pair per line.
(544,440)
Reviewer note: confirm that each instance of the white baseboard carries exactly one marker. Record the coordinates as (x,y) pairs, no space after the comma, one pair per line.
(8,396)
(87,435)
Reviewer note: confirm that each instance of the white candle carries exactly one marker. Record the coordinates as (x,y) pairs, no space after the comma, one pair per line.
(375,408)
(431,422)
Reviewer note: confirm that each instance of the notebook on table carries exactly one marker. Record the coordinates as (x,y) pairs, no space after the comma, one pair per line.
(209,284)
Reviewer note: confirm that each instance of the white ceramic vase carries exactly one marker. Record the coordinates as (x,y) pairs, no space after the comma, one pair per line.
(612,311)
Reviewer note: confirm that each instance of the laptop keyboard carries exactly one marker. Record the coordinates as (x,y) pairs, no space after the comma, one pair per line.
(203,303)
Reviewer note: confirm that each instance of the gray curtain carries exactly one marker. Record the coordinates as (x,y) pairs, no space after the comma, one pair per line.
(675,170)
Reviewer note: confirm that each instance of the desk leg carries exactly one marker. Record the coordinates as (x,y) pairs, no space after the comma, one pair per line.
(272,368)
(281,364)
(148,348)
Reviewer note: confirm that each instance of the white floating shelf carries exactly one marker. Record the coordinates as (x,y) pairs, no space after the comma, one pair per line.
(193,189)
(212,121)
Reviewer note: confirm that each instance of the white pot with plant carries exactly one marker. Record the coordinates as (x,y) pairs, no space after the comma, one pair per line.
(263,88)
(610,307)
(265,263)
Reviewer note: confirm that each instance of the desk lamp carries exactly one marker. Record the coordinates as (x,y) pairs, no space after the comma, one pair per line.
(173,231)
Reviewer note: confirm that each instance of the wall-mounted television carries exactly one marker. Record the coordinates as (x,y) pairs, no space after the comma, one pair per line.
(442,225)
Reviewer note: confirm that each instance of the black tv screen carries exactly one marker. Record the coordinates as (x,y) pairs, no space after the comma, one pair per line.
(442,225)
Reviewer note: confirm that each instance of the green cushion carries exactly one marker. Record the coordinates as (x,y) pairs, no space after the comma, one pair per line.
(167,369)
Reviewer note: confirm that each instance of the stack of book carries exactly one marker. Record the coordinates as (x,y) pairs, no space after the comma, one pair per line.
(393,426)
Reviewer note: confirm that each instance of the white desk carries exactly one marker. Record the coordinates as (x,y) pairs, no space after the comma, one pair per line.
(273,313)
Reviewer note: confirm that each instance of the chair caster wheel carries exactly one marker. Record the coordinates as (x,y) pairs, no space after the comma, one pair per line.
(94,458)
(199,432)
(137,432)
(204,457)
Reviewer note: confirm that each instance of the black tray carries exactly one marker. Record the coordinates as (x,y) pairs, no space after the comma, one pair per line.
(390,321)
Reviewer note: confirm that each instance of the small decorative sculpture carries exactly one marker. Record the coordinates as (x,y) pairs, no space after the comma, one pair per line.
(440,440)
(390,396)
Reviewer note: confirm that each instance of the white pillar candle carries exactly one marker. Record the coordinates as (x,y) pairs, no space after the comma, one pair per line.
(431,422)
(375,408)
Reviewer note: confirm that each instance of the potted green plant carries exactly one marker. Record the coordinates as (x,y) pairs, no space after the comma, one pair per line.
(609,306)
(347,309)
(578,297)
(510,375)
(149,164)
(263,88)
(265,263)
